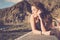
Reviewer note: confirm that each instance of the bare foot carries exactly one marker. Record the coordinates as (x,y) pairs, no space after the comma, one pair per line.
(36,32)
(46,33)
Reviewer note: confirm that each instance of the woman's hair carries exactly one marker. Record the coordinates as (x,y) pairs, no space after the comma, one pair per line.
(38,5)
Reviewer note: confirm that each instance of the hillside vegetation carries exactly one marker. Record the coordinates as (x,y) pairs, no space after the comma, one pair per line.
(19,13)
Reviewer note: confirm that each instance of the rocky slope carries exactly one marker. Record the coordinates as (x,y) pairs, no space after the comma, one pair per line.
(15,14)
(19,13)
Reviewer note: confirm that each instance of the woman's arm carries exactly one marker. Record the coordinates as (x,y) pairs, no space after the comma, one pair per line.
(32,23)
(42,26)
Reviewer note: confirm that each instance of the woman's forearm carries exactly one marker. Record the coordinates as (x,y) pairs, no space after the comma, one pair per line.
(42,26)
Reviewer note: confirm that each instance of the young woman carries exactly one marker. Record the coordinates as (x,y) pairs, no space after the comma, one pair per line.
(36,19)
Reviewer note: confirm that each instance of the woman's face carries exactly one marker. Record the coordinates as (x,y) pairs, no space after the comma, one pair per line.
(35,10)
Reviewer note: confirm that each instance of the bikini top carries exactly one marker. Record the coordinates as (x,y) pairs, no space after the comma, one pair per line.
(37,24)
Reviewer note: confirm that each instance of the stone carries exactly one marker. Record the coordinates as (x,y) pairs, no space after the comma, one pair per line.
(31,36)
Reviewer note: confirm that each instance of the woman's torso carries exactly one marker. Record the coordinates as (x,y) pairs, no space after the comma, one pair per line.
(37,23)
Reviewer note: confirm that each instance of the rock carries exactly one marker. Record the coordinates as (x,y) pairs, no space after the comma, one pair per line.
(31,36)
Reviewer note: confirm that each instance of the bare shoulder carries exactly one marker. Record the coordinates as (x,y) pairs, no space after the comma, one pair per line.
(31,18)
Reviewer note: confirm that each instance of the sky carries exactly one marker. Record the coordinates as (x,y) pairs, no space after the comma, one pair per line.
(8,3)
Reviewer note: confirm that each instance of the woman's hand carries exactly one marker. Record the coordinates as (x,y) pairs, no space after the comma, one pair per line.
(38,12)
(40,17)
